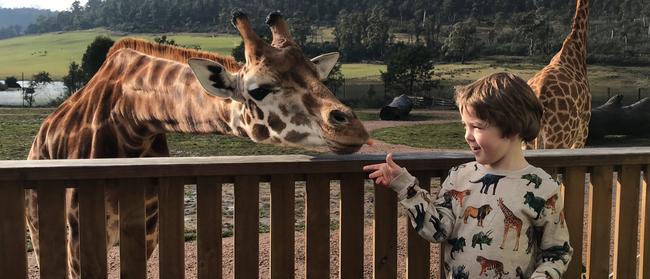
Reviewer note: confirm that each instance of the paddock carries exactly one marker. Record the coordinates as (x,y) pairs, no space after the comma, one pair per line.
(598,183)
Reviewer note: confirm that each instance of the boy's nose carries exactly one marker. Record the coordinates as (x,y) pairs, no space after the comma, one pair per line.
(468,135)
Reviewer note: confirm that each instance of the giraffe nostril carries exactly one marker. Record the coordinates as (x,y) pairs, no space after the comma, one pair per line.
(338,117)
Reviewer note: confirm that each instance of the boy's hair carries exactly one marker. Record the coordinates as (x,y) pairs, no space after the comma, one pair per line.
(504,100)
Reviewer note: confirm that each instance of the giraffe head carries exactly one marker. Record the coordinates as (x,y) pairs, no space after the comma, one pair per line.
(284,100)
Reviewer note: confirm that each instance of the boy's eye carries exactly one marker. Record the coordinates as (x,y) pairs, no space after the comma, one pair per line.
(260,92)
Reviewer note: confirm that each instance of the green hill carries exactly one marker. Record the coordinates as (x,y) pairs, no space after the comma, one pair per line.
(53,52)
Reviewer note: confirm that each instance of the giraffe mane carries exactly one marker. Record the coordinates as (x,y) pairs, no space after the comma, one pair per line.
(174,53)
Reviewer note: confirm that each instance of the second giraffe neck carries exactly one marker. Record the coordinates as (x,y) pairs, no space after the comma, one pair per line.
(574,48)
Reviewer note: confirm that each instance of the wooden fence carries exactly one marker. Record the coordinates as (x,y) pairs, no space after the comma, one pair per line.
(604,177)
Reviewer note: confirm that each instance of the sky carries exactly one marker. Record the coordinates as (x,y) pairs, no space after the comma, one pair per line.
(54,5)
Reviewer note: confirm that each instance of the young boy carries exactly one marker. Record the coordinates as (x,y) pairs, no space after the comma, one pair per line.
(499,215)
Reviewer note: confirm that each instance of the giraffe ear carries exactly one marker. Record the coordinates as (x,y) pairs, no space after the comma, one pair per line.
(214,78)
(325,63)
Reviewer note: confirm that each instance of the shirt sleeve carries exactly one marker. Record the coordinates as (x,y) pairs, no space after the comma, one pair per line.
(554,251)
(432,220)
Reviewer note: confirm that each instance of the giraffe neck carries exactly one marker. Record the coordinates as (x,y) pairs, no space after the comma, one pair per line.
(164,96)
(574,48)
(505,210)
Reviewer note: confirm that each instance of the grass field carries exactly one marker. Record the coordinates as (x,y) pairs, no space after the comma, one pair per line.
(53,52)
(432,136)
(451,136)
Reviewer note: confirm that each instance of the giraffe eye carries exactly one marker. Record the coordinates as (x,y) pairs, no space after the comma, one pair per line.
(259,93)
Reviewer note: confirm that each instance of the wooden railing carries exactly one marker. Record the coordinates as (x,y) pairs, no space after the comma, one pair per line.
(595,175)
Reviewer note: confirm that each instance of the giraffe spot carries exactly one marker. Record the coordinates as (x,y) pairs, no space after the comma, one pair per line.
(172,75)
(260,113)
(300,119)
(225,115)
(298,79)
(311,103)
(247,118)
(284,110)
(73,225)
(152,208)
(137,65)
(242,132)
(152,222)
(276,123)
(188,78)
(156,69)
(294,136)
(260,132)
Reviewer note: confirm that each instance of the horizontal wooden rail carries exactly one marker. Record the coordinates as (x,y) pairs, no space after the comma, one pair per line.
(585,173)
(294,164)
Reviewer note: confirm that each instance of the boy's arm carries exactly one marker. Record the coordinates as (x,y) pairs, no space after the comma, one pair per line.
(555,251)
(432,220)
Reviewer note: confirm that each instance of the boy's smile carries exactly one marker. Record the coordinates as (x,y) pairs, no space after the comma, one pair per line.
(488,145)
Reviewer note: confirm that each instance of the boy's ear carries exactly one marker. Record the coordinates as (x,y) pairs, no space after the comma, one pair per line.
(325,63)
(214,78)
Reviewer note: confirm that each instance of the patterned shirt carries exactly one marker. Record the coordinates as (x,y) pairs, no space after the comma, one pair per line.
(505,224)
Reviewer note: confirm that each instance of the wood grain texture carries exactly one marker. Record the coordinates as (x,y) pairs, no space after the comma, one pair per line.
(92,227)
(627,216)
(13,256)
(317,227)
(171,234)
(52,224)
(385,242)
(282,226)
(208,215)
(246,227)
(133,251)
(574,194)
(351,232)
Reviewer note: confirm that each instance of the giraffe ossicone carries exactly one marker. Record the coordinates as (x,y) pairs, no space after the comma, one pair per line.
(144,91)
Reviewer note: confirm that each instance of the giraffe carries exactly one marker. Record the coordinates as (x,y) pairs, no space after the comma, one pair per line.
(563,89)
(145,90)
(510,221)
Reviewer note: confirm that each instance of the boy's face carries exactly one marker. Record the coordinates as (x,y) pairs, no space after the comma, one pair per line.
(486,142)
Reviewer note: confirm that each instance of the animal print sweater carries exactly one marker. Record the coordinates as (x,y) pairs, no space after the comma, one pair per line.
(505,224)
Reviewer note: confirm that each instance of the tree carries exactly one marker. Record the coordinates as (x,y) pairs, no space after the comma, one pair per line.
(376,35)
(460,42)
(75,78)
(409,70)
(300,29)
(335,79)
(38,80)
(536,31)
(163,41)
(348,34)
(12,82)
(95,55)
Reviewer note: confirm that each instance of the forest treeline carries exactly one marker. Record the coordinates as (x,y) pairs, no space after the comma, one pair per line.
(455,30)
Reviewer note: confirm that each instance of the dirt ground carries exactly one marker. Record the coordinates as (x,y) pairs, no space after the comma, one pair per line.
(264,271)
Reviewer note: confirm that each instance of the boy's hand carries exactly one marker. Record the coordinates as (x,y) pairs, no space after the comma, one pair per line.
(384,173)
